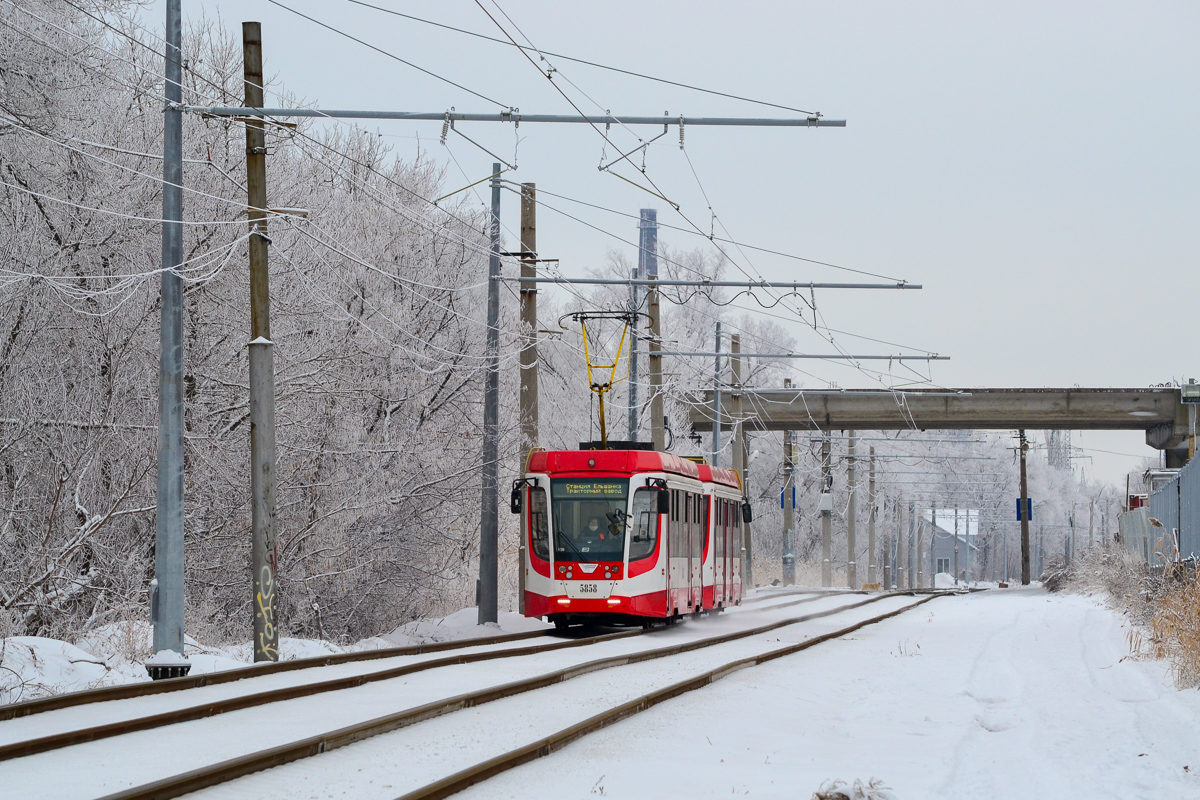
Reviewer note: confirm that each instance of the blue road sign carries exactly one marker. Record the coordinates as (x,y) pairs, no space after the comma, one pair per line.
(1027,504)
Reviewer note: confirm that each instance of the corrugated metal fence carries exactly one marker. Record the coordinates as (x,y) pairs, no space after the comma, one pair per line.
(1176,505)
(1189,511)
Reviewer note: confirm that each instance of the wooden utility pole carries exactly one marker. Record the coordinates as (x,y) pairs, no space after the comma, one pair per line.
(851,514)
(529,354)
(785,500)
(1024,504)
(871,517)
(826,514)
(262,361)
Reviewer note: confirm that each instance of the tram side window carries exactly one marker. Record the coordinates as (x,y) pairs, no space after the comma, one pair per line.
(539,530)
(644,524)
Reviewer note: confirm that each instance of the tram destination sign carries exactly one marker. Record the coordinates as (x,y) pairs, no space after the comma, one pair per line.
(591,488)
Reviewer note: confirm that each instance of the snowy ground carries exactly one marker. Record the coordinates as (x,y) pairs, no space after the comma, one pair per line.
(1006,693)
(32,666)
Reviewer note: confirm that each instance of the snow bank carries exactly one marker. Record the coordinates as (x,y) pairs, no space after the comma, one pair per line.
(31,666)
(461,624)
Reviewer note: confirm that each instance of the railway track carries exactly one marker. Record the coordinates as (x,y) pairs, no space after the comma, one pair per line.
(130,690)
(464,779)
(229,769)
(134,690)
(73,735)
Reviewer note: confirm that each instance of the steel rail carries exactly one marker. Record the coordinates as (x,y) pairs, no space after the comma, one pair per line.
(225,771)
(126,691)
(760,598)
(57,741)
(545,746)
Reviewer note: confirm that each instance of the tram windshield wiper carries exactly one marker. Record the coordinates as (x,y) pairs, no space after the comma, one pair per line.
(559,536)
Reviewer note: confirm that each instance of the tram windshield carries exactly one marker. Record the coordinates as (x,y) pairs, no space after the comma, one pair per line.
(589,518)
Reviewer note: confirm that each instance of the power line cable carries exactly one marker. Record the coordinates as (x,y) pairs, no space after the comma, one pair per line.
(393,56)
(585,62)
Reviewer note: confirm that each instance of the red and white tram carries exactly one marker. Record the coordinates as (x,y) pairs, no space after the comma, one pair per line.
(628,536)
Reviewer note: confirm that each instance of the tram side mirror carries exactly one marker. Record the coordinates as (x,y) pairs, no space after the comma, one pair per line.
(664,502)
(747,514)
(514,500)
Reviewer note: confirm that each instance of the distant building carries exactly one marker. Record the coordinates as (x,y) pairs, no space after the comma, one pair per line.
(944,543)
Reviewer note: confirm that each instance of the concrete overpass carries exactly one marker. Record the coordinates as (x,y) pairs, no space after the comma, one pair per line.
(1157,411)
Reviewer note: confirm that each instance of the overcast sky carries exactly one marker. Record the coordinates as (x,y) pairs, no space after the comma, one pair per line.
(1033,165)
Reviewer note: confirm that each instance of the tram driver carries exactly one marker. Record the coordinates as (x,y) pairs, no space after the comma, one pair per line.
(603,537)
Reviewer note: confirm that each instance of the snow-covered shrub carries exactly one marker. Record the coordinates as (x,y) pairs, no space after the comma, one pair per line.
(840,790)
(1176,628)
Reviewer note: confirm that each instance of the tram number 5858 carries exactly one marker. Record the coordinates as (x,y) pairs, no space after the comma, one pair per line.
(588,588)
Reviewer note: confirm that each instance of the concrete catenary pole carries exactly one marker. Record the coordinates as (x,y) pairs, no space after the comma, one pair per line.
(1024,445)
(871,517)
(1092,524)
(913,554)
(489,529)
(262,362)
(717,422)
(166,602)
(649,250)
(529,324)
(634,305)
(785,499)
(851,512)
(747,527)
(920,519)
(740,457)
(956,545)
(529,354)
(826,514)
(735,400)
(901,549)
(1071,548)
(887,559)
(933,544)
(967,542)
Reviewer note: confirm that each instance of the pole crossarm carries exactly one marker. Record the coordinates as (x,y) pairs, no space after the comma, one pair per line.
(794,286)
(822,356)
(517,117)
(1158,411)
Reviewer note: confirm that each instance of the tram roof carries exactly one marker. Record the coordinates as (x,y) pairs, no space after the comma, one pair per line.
(628,461)
(726,477)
